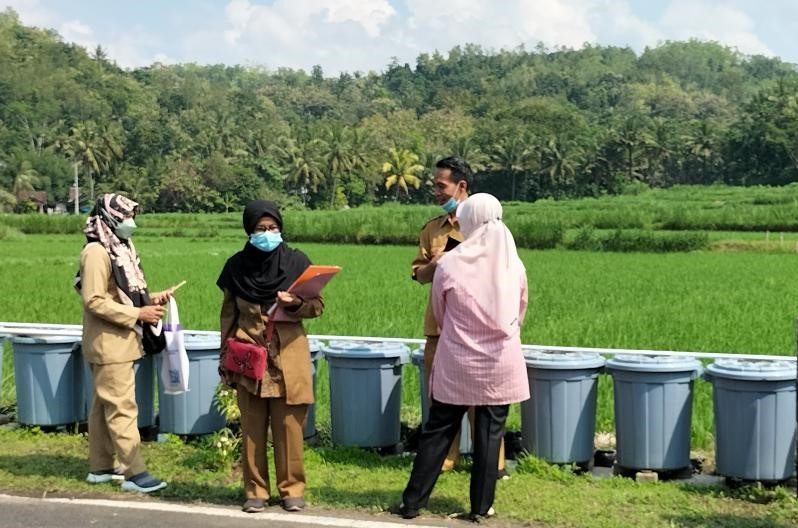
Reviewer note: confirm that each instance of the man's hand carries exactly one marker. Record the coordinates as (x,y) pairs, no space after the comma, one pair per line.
(287,300)
(151,314)
(425,273)
(161,297)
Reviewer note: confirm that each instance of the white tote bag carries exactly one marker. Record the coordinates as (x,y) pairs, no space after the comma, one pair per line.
(174,360)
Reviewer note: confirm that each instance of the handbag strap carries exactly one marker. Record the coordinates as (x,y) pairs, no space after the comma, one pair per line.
(269,331)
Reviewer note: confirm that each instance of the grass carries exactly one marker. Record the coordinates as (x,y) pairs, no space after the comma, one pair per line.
(541,225)
(34,462)
(698,301)
(729,299)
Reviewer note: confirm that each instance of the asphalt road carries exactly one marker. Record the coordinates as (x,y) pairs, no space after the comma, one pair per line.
(29,512)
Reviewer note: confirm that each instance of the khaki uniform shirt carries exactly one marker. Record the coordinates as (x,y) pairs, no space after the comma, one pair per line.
(288,366)
(431,241)
(109,334)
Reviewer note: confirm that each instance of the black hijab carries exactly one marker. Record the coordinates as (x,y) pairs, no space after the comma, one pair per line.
(254,275)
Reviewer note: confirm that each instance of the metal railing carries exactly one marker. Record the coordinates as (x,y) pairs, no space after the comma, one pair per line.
(42,329)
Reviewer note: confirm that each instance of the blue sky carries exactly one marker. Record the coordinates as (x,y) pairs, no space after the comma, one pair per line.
(349,35)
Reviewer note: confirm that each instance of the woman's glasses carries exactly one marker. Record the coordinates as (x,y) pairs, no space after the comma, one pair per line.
(274,228)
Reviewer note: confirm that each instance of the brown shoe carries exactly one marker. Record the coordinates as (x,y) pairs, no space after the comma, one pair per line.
(293,504)
(254,505)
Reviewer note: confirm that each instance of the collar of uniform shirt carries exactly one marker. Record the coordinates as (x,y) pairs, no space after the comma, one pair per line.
(450,219)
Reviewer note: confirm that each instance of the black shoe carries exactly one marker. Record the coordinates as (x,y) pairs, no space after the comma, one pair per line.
(254,505)
(477,518)
(406,512)
(293,504)
(143,483)
(503,475)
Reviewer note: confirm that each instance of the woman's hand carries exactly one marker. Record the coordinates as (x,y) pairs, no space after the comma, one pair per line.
(151,314)
(161,297)
(287,300)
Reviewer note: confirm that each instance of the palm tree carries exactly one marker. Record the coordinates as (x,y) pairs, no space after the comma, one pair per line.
(466,148)
(402,170)
(25,179)
(301,163)
(659,150)
(632,135)
(337,155)
(511,155)
(94,148)
(702,145)
(560,163)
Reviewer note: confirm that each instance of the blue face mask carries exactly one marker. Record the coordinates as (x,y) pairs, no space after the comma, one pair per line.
(266,241)
(450,205)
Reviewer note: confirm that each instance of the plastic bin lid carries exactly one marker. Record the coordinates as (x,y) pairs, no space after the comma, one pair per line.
(641,363)
(555,360)
(417,356)
(46,339)
(314,345)
(200,341)
(753,370)
(365,350)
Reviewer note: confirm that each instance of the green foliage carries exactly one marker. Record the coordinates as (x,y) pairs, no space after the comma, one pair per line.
(626,240)
(361,480)
(533,123)
(216,451)
(10,233)
(227,404)
(532,465)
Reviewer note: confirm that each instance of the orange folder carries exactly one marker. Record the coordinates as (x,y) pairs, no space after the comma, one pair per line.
(307,286)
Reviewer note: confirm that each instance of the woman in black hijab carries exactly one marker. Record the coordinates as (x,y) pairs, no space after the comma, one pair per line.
(253,281)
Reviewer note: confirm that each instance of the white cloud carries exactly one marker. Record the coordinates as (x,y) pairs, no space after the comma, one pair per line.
(348,35)
(78,32)
(713,20)
(32,12)
(615,23)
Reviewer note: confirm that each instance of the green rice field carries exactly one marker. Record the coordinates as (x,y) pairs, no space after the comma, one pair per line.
(707,301)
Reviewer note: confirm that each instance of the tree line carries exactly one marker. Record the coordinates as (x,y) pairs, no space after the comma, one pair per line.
(533,123)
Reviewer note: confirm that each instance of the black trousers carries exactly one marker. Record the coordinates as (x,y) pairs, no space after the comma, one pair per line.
(436,438)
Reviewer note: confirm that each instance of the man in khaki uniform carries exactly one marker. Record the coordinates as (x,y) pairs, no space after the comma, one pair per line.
(452,183)
(115,302)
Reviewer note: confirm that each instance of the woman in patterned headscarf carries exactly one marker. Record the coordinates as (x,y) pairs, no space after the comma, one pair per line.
(116,305)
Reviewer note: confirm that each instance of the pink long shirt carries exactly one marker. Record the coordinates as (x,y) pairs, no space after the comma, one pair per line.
(475,362)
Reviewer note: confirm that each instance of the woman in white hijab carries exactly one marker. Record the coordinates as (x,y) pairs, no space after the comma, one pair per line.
(479,297)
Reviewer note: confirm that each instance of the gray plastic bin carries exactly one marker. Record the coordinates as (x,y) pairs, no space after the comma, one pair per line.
(315,355)
(144,372)
(754,403)
(558,422)
(49,379)
(195,411)
(2,346)
(365,392)
(653,410)
(417,358)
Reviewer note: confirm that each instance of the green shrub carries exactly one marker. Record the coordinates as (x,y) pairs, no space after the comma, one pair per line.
(653,241)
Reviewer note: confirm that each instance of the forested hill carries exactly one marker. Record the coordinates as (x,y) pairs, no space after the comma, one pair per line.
(534,123)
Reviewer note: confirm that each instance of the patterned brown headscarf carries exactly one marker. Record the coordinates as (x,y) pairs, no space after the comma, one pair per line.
(109,211)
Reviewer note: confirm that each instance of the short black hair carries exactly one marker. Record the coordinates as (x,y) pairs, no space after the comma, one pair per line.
(460,169)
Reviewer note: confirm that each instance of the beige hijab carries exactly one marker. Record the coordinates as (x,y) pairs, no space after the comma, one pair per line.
(486,263)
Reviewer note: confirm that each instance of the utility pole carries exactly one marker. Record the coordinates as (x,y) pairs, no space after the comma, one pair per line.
(77,191)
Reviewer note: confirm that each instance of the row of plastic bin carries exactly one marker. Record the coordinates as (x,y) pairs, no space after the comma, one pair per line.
(55,386)
(754,401)
(754,406)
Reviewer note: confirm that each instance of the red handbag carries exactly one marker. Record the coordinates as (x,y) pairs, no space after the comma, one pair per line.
(245,358)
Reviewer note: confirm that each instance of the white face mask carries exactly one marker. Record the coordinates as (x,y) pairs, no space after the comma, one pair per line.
(124,230)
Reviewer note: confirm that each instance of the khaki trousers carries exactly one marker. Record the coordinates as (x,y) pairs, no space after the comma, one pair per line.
(454,451)
(287,425)
(113,428)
